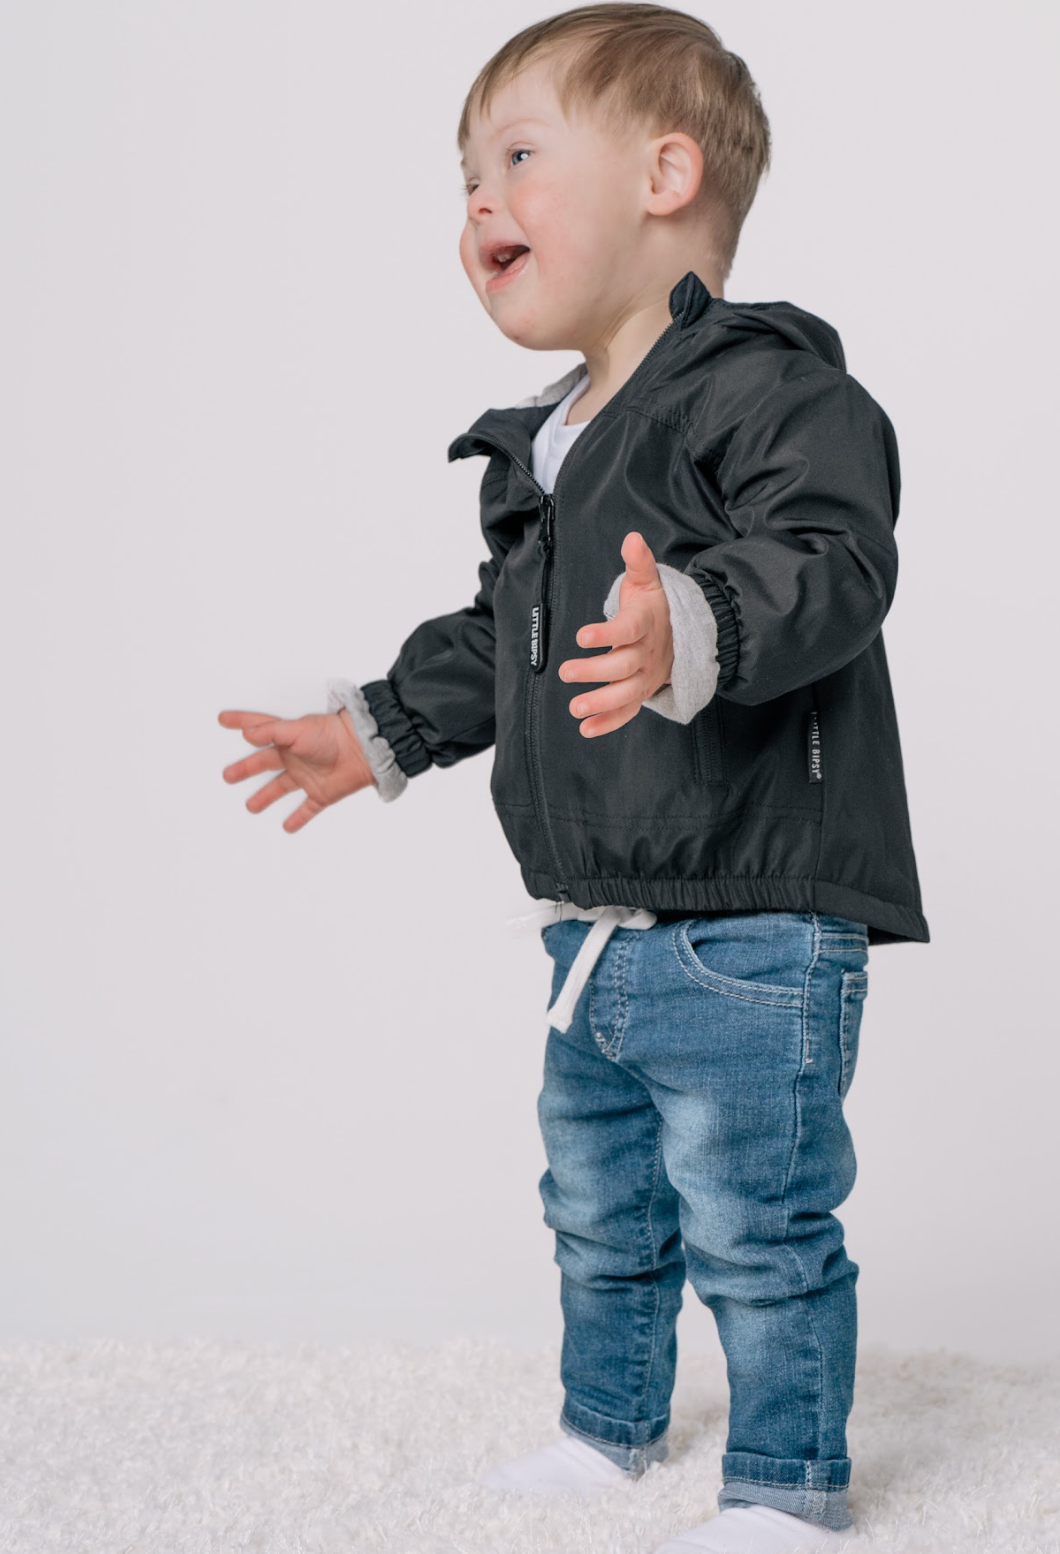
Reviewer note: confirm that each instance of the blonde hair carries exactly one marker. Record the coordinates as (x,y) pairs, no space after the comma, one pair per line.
(648,65)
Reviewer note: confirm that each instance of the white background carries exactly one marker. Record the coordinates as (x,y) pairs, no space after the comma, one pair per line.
(267,1086)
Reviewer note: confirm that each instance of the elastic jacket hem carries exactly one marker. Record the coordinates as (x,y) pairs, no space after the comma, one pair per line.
(887,921)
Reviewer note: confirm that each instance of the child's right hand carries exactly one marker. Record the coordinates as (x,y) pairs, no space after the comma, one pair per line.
(320,753)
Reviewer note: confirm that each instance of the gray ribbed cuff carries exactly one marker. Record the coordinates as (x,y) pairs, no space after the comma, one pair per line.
(695,673)
(390,779)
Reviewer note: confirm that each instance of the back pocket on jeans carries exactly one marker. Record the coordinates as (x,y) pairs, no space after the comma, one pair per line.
(853,992)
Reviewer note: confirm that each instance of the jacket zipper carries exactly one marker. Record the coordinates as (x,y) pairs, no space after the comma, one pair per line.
(539,623)
(539,628)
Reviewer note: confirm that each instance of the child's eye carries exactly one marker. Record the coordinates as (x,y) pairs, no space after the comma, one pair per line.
(468,189)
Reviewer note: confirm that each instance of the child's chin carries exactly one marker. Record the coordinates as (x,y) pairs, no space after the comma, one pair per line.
(516,325)
(523,327)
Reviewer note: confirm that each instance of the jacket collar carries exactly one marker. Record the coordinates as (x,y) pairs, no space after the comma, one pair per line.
(689,300)
(511,429)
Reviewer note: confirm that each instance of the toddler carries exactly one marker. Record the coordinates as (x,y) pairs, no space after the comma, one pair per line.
(714,834)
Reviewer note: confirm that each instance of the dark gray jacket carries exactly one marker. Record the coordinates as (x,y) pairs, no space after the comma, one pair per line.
(749,459)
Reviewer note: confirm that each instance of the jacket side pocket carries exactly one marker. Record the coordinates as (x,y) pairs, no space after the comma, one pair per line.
(707,744)
(852,995)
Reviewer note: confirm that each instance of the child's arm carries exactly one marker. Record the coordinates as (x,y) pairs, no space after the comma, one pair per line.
(436,705)
(809,477)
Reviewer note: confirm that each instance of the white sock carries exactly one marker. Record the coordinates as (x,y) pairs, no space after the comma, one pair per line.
(569,1465)
(757,1529)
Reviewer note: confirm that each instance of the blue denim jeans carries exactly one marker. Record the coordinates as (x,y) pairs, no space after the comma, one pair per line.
(693,1124)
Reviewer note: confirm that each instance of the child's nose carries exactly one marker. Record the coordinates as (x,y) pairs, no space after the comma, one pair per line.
(484,200)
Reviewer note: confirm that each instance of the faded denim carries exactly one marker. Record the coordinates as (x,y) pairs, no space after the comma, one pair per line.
(693,1125)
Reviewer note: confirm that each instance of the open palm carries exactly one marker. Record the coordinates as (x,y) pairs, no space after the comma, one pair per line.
(319,753)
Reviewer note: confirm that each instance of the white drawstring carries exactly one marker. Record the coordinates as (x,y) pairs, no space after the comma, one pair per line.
(604,919)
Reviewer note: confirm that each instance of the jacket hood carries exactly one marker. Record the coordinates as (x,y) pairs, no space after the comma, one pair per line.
(802,331)
(692,305)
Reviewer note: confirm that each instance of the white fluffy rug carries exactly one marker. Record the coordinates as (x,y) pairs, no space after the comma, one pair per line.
(206,1448)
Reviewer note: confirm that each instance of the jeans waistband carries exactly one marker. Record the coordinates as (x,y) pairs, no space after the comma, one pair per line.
(605,919)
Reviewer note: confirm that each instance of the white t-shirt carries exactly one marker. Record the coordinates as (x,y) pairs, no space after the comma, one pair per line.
(554,437)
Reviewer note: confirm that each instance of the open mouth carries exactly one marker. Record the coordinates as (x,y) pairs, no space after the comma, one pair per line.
(503,258)
(506,263)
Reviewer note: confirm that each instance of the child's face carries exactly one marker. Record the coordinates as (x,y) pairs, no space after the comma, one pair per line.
(569,192)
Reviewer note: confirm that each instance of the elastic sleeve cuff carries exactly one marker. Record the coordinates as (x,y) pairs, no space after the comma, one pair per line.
(728,625)
(395,725)
(390,780)
(694,677)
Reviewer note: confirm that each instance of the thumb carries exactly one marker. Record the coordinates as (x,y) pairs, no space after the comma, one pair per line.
(641,571)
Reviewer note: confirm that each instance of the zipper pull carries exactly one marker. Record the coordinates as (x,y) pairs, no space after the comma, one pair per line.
(548,509)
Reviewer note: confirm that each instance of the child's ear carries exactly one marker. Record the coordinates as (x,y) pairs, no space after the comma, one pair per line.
(675,172)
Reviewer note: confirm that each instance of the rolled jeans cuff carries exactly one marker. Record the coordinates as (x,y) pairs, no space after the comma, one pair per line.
(816,1491)
(634,1456)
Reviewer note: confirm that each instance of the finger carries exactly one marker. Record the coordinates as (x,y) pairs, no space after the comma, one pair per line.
(302,815)
(632,688)
(271,792)
(259,728)
(641,571)
(237,719)
(629,625)
(263,761)
(605,722)
(621,661)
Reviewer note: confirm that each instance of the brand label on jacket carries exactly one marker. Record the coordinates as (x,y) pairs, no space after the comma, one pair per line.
(537,636)
(815,771)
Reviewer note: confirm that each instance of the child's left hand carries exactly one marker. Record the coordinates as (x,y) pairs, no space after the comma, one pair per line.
(641,660)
